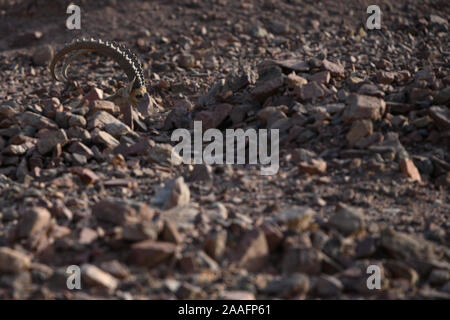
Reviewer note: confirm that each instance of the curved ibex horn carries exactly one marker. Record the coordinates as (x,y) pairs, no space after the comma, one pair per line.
(123,56)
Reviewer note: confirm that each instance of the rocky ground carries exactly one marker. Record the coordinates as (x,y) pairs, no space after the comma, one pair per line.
(364,124)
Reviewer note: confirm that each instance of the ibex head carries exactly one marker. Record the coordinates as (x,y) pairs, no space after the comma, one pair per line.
(127,60)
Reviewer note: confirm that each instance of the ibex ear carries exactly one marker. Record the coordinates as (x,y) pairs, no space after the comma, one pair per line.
(129,87)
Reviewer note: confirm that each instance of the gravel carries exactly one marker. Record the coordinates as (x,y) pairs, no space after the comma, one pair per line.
(363,119)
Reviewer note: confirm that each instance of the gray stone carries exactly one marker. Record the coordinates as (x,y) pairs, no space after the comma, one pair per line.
(13,261)
(296,218)
(33,222)
(96,277)
(328,286)
(347,219)
(47,143)
(363,107)
(288,286)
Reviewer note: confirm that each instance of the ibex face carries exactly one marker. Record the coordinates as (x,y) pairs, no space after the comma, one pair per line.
(123,56)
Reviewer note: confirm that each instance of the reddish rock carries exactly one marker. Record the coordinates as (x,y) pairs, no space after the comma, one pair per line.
(51,140)
(334,68)
(238,295)
(186,61)
(104,138)
(7,112)
(313,166)
(80,148)
(303,260)
(402,76)
(87,236)
(51,107)
(42,55)
(294,80)
(417,95)
(252,252)
(363,107)
(206,118)
(409,169)
(187,291)
(101,105)
(94,94)
(146,105)
(359,130)
(197,261)
(124,183)
(96,277)
(215,244)
(365,142)
(142,147)
(178,194)
(443,180)
(38,121)
(221,112)
(403,246)
(116,212)
(274,236)
(109,123)
(328,286)
(312,90)
(294,64)
(127,115)
(271,79)
(385,77)
(347,219)
(13,261)
(33,222)
(87,175)
(296,217)
(441,116)
(320,77)
(151,253)
(170,233)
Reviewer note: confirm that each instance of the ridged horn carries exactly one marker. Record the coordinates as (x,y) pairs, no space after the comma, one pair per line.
(127,60)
